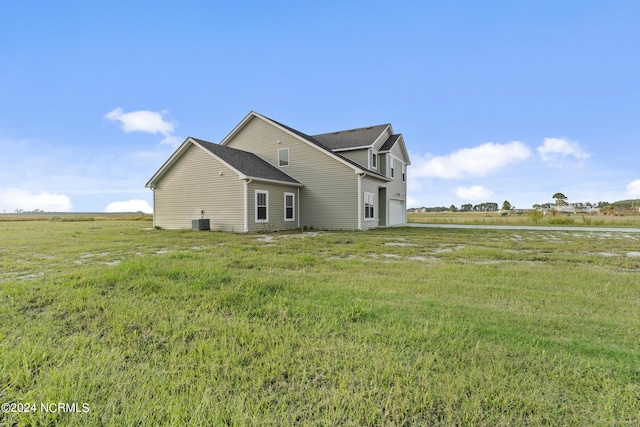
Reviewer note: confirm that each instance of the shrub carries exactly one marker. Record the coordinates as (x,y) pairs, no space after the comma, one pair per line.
(535,216)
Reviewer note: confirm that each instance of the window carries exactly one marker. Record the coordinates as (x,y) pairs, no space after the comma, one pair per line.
(283,157)
(369,200)
(262,206)
(374,160)
(404,172)
(289,207)
(393,169)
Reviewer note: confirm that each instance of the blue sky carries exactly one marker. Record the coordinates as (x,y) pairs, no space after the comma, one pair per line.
(497,100)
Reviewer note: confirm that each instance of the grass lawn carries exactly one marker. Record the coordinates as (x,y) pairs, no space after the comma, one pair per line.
(628,219)
(388,327)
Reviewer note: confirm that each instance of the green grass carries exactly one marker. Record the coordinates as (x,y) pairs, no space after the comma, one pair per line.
(626,219)
(387,327)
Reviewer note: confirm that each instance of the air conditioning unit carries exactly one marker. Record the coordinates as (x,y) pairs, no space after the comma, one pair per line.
(200,224)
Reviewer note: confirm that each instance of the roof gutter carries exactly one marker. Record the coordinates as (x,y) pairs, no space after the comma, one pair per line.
(373,175)
(360,175)
(247,181)
(251,178)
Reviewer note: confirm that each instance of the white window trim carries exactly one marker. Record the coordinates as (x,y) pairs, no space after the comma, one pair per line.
(288,158)
(369,199)
(374,160)
(404,172)
(267,205)
(293,206)
(392,169)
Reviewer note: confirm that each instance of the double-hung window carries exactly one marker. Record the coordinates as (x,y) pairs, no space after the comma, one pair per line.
(289,207)
(404,172)
(262,206)
(369,201)
(393,169)
(374,160)
(283,157)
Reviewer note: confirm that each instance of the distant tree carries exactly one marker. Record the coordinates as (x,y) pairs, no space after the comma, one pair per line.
(486,207)
(561,199)
(467,207)
(506,206)
(453,208)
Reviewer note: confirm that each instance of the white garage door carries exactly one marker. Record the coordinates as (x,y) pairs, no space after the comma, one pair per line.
(397,212)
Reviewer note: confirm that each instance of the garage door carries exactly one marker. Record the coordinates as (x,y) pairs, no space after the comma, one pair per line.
(397,212)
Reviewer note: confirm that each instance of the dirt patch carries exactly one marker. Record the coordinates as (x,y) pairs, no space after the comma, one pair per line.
(606,254)
(423,258)
(449,249)
(270,238)
(30,276)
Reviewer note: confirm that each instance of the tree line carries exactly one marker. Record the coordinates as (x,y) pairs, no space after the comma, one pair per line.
(560,200)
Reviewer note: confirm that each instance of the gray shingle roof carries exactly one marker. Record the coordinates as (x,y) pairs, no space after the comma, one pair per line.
(360,137)
(389,142)
(246,163)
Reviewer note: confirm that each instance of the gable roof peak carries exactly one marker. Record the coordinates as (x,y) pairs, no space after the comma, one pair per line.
(248,164)
(311,140)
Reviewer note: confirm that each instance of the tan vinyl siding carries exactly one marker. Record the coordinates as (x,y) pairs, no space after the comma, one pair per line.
(275,206)
(328,198)
(193,184)
(359,156)
(396,189)
(370,185)
(397,151)
(383,159)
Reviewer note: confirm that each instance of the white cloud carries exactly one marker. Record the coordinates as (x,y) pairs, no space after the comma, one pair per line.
(557,149)
(12,199)
(633,188)
(135,205)
(476,161)
(141,121)
(173,141)
(475,192)
(145,121)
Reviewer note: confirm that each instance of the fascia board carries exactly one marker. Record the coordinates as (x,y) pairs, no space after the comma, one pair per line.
(374,175)
(274,181)
(403,147)
(362,147)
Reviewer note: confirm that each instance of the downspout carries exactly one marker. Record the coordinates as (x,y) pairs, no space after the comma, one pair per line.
(153,190)
(298,207)
(360,175)
(246,204)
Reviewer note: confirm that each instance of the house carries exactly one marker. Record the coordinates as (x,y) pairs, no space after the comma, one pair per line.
(267,176)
